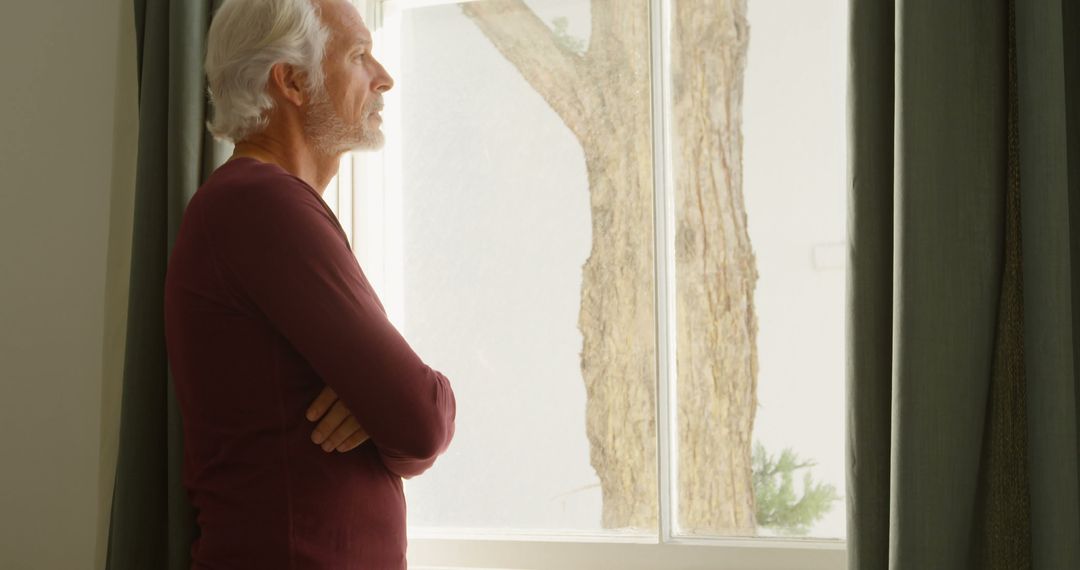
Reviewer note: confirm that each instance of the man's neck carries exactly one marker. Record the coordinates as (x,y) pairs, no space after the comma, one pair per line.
(299,160)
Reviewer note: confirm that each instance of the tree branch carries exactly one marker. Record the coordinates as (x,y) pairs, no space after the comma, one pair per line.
(619,29)
(555,72)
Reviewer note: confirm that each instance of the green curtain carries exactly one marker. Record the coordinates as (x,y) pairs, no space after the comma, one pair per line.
(963,285)
(152,523)
(1048,56)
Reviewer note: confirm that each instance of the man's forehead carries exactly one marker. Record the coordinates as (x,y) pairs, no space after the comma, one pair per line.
(345,22)
(355,30)
(356,39)
(361,41)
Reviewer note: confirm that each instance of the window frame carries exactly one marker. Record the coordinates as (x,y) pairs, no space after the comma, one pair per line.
(374,211)
(445,549)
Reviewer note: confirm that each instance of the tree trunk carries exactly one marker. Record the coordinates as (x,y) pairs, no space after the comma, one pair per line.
(715,271)
(617,322)
(604,97)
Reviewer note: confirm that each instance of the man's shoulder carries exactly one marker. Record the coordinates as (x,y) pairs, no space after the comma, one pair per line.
(251,186)
(241,177)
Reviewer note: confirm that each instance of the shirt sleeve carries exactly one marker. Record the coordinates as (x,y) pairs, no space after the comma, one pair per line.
(286,254)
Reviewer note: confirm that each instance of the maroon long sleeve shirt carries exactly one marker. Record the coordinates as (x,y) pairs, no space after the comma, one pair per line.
(265,304)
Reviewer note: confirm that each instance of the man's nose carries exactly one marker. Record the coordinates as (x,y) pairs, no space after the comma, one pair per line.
(383,82)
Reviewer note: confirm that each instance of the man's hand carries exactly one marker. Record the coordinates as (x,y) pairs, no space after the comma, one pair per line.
(338,428)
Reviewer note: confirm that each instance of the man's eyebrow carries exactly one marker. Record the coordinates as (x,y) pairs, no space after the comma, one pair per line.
(361,43)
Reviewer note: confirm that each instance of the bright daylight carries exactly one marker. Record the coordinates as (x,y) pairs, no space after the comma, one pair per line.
(540,285)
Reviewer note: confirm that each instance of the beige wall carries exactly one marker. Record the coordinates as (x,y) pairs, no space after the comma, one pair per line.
(68,125)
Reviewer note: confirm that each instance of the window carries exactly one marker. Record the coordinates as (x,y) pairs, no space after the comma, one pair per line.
(624,300)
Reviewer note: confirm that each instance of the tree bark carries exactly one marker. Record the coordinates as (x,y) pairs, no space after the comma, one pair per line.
(715,269)
(604,97)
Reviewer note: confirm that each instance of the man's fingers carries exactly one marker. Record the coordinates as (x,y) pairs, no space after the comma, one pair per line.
(343,431)
(330,422)
(321,404)
(353,441)
(338,429)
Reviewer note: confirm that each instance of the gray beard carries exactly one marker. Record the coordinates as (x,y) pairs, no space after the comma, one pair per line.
(331,135)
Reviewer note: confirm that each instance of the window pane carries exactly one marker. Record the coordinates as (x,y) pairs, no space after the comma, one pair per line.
(527,259)
(760,248)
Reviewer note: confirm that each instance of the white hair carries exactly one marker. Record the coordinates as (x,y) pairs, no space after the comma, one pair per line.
(246,38)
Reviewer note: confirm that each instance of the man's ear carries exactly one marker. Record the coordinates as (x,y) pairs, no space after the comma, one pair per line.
(288,82)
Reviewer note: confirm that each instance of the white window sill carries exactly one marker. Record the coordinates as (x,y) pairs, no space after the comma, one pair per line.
(440,549)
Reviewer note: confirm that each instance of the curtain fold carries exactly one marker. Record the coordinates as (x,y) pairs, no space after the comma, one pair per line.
(1048,42)
(962,326)
(152,523)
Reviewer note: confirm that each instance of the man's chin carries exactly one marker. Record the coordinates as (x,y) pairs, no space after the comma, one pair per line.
(366,144)
(374,141)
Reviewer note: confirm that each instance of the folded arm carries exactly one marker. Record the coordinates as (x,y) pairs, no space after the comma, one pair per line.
(287,255)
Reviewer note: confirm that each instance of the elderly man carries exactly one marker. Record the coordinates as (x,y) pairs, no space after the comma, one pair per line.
(303,407)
